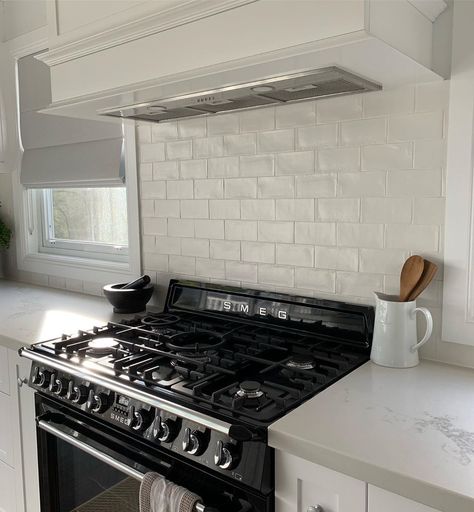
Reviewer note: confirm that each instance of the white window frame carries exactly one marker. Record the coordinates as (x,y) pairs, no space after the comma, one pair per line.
(28,234)
(50,245)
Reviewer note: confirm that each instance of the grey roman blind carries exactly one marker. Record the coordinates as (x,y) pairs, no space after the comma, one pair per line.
(61,151)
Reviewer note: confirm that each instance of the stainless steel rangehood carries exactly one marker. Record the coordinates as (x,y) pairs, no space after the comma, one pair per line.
(329,81)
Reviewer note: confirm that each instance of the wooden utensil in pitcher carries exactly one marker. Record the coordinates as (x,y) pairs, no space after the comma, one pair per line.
(411,273)
(429,271)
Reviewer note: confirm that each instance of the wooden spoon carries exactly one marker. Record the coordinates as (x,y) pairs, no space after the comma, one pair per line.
(429,272)
(411,273)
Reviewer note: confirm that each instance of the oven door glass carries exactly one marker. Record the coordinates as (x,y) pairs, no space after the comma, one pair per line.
(88,466)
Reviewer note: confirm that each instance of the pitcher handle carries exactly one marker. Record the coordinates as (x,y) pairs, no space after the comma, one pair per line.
(429,328)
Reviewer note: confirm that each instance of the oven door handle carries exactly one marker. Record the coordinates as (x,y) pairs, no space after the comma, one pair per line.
(107,459)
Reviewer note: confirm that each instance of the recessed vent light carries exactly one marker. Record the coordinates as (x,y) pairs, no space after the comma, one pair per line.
(301,88)
(260,89)
(156,109)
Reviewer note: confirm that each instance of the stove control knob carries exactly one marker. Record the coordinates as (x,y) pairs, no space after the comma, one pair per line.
(141,420)
(60,386)
(77,394)
(226,456)
(194,442)
(100,403)
(165,430)
(42,379)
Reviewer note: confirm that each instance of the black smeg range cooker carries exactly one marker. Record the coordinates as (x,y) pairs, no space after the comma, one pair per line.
(188,393)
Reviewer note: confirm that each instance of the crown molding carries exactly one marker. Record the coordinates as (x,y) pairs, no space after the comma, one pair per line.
(137,29)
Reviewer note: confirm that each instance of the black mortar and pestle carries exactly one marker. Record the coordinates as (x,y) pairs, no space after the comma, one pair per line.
(130,297)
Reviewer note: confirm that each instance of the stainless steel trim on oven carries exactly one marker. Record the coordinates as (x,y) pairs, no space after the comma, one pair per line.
(110,461)
(137,394)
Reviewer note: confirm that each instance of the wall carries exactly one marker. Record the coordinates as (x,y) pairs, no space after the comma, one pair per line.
(18,17)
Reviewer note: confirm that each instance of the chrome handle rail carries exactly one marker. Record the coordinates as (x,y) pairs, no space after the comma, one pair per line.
(107,459)
(119,387)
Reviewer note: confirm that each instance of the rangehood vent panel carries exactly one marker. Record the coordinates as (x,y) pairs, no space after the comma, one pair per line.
(307,85)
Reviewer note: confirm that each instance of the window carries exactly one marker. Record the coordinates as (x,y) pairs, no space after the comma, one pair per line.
(85,222)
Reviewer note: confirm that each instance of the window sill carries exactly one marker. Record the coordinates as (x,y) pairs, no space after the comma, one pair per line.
(85,269)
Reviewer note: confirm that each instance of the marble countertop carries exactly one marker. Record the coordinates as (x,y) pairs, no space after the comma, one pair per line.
(408,431)
(29,314)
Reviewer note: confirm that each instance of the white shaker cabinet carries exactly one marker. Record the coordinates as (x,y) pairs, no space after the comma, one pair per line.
(302,486)
(18,459)
(385,501)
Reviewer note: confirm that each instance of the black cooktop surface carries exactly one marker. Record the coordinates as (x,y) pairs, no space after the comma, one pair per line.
(238,354)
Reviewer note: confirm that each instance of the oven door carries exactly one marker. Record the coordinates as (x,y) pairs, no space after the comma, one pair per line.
(88,466)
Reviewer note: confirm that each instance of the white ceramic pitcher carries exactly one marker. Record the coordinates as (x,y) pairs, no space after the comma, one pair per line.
(395,337)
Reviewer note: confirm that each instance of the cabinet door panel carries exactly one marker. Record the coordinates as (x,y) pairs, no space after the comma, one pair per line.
(7,489)
(6,430)
(384,501)
(301,484)
(4,373)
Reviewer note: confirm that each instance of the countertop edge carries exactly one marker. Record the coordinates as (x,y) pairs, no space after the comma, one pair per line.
(417,490)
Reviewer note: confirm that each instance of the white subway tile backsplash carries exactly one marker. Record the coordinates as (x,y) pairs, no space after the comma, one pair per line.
(321,185)
(257,120)
(342,210)
(339,159)
(240,188)
(414,183)
(224,209)
(364,131)
(238,271)
(273,141)
(194,209)
(317,136)
(295,255)
(416,126)
(257,165)
(276,231)
(165,171)
(243,144)
(295,114)
(361,184)
(164,131)
(241,230)
(209,229)
(295,209)
(193,169)
(360,235)
(337,258)
(386,210)
(223,123)
(317,233)
(208,147)
(167,208)
(314,279)
(180,189)
(296,162)
(226,167)
(258,209)
(188,128)
(339,109)
(179,150)
(225,249)
(387,157)
(208,268)
(324,198)
(258,252)
(209,189)
(279,187)
(276,275)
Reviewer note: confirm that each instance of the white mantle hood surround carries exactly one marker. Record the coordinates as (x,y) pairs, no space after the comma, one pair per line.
(389,42)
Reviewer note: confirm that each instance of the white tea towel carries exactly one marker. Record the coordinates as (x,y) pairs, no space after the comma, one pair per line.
(159,495)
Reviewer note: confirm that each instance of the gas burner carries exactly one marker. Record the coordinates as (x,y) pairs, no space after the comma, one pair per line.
(300,362)
(249,389)
(196,342)
(99,347)
(160,320)
(199,357)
